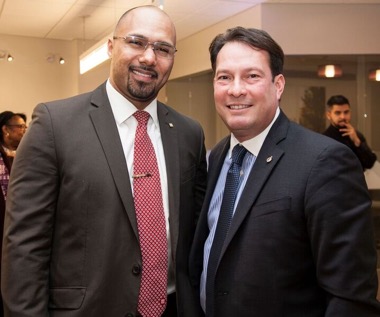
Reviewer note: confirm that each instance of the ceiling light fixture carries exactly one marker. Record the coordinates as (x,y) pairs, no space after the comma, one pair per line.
(330,71)
(374,75)
(10,58)
(94,56)
(53,58)
(159,3)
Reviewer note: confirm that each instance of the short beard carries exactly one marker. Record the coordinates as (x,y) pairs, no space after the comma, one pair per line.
(141,91)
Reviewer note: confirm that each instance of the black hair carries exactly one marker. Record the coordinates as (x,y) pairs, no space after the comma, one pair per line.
(257,39)
(337,100)
(4,120)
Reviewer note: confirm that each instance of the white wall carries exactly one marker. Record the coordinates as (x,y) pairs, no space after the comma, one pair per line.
(324,28)
(30,78)
(298,28)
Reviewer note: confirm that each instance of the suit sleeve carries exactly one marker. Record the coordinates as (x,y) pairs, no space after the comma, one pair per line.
(366,156)
(337,207)
(29,221)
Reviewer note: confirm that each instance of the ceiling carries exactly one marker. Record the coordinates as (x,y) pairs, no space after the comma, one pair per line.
(95,19)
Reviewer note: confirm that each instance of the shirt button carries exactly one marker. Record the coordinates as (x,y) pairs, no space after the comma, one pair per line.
(136,269)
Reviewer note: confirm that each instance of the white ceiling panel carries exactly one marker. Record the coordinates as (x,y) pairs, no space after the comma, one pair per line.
(64,19)
(93,19)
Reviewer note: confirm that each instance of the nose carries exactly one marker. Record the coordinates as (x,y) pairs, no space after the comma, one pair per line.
(148,56)
(237,88)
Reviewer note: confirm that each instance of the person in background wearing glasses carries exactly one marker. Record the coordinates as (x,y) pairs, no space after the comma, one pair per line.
(12,129)
(72,240)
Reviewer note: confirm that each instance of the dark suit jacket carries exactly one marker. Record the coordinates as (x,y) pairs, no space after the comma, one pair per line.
(301,242)
(71,241)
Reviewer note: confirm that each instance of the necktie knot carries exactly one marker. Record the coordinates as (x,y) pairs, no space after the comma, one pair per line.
(238,153)
(142,117)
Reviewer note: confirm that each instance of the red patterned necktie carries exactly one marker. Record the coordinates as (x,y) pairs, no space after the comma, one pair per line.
(150,222)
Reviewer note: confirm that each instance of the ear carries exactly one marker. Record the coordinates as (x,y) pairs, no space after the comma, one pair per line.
(4,129)
(279,82)
(328,115)
(109,47)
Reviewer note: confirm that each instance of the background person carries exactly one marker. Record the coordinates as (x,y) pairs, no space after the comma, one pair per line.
(300,242)
(72,244)
(12,129)
(339,114)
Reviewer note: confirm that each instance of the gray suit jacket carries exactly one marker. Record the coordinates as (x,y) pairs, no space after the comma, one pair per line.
(301,242)
(71,241)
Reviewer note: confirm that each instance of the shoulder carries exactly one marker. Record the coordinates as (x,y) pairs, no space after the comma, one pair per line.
(220,148)
(307,143)
(72,107)
(287,133)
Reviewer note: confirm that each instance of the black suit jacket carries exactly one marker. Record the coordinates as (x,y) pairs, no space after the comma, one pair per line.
(301,242)
(71,241)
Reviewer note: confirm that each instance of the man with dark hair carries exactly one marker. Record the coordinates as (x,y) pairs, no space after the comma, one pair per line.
(285,229)
(338,112)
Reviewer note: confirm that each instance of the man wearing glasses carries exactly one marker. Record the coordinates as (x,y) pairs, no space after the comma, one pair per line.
(100,221)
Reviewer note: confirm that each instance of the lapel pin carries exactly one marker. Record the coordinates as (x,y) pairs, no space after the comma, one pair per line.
(171,125)
(269,159)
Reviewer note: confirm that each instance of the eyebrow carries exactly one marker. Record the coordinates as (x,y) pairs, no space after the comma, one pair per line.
(146,38)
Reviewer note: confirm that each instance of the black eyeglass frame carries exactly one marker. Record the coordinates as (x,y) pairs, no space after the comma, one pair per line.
(161,49)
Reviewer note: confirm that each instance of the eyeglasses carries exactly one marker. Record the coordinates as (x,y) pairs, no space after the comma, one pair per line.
(140,44)
(20,126)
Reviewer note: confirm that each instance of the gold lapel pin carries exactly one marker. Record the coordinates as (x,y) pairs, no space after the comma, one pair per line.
(171,125)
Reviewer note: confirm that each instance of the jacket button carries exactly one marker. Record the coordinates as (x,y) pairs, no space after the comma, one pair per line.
(129,315)
(136,269)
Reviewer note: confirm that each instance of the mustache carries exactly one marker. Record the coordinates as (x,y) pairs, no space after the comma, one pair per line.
(145,69)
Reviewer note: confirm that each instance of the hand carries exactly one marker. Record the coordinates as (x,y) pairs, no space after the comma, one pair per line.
(350,131)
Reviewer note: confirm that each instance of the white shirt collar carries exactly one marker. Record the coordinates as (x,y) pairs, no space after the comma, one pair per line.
(254,145)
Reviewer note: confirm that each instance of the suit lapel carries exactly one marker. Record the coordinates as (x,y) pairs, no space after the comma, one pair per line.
(269,156)
(169,136)
(105,127)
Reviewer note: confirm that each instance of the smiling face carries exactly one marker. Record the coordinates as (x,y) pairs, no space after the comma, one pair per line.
(139,75)
(246,96)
